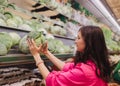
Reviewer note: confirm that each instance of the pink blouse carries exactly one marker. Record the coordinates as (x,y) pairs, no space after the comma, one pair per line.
(80,75)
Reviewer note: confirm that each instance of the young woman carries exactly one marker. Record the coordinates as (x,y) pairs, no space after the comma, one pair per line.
(90,67)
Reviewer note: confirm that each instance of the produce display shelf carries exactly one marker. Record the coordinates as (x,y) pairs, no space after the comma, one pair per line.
(22,33)
(13,29)
(34,6)
(58,36)
(114,52)
(11,58)
(55,13)
(10,29)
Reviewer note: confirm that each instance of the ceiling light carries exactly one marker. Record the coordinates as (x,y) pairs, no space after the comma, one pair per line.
(104,11)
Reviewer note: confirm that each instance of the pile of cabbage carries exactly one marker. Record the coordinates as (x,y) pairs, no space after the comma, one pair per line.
(58,6)
(111,44)
(7,40)
(54,45)
(11,20)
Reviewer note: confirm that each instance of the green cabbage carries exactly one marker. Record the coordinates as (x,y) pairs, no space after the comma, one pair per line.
(49,36)
(23,46)
(2,22)
(63,32)
(36,35)
(3,49)
(55,29)
(25,27)
(5,39)
(12,23)
(4,2)
(18,20)
(15,38)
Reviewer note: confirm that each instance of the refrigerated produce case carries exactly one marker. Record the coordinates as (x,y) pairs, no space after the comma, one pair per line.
(15,60)
(18,68)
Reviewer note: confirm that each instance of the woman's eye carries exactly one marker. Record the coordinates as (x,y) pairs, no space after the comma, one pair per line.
(78,37)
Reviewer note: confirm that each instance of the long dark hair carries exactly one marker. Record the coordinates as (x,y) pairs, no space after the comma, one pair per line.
(95,50)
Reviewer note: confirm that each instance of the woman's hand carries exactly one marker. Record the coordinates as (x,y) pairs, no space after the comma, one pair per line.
(32,46)
(44,48)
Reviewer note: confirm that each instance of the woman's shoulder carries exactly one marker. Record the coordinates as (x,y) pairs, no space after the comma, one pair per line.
(88,68)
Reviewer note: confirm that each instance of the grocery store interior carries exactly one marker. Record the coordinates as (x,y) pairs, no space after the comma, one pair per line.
(58,22)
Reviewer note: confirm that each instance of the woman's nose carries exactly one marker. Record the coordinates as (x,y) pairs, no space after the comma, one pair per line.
(75,41)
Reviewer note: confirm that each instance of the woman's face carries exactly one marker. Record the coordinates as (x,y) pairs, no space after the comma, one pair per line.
(80,43)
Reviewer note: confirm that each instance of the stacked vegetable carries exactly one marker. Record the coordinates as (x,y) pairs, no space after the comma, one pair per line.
(7,40)
(111,44)
(55,46)
(11,20)
(36,35)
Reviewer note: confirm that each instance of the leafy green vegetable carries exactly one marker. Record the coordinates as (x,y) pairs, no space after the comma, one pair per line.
(15,38)
(5,39)
(3,49)
(2,22)
(23,46)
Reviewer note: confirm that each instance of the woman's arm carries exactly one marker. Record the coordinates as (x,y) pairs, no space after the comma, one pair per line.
(57,62)
(39,62)
(42,68)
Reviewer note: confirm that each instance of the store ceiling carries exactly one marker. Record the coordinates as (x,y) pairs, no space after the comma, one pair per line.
(114,5)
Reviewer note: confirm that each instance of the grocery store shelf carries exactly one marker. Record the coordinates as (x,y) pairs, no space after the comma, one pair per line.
(22,33)
(17,58)
(39,8)
(11,28)
(25,32)
(114,52)
(21,14)
(58,36)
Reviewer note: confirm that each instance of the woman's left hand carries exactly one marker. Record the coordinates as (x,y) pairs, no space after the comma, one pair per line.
(33,47)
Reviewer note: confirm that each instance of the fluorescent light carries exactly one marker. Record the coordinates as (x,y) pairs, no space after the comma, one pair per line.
(103,9)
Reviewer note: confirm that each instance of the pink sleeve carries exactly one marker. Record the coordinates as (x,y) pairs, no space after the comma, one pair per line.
(63,78)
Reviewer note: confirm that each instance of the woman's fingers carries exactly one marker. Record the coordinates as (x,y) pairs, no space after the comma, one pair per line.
(29,42)
(40,46)
(33,42)
(47,45)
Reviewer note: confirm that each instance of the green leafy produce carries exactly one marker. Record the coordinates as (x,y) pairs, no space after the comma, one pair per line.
(57,46)
(107,33)
(63,32)
(12,23)
(2,22)
(15,38)
(67,49)
(23,46)
(18,20)
(55,29)
(51,45)
(111,44)
(2,16)
(3,49)
(5,39)
(4,2)
(36,35)
(25,27)
(8,15)
(49,36)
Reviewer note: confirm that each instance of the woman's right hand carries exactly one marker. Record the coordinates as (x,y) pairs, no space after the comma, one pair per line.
(44,48)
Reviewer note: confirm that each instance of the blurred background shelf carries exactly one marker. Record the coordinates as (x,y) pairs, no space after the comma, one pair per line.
(26,58)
